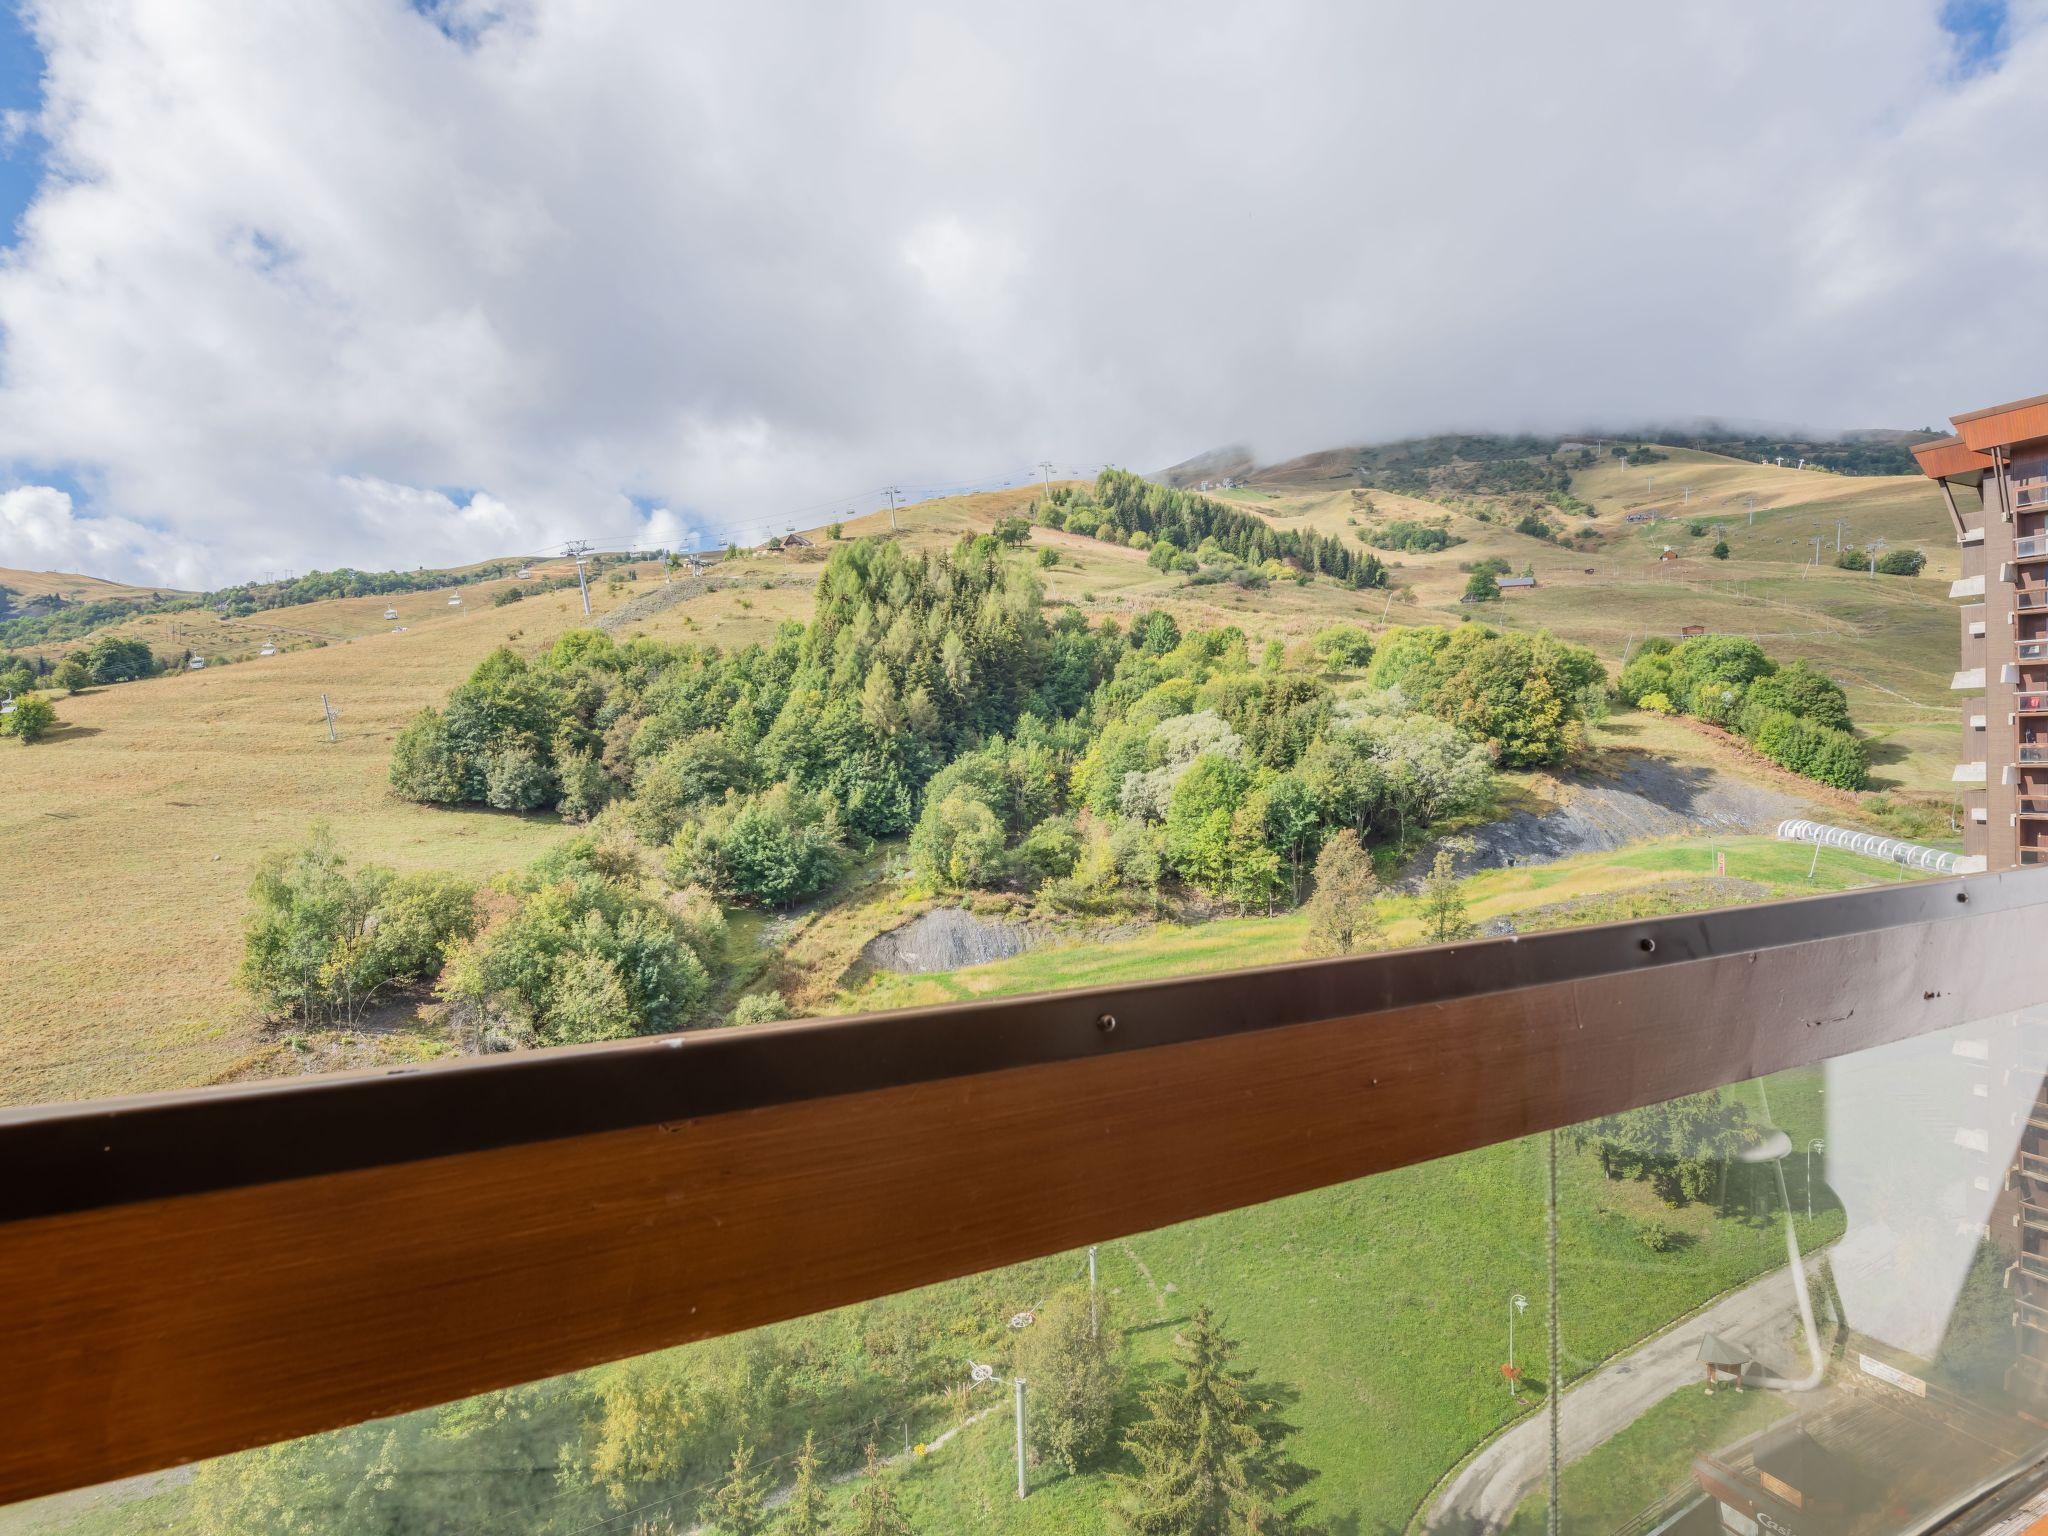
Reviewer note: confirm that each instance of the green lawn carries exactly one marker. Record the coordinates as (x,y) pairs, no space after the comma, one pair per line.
(1380,1308)
(1182,949)
(1651,1458)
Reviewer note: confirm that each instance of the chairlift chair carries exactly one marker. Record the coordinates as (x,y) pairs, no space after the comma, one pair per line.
(390,613)
(196,664)
(268,649)
(526,573)
(454,601)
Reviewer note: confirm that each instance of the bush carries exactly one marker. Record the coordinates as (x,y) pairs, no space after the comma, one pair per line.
(587,953)
(71,675)
(760,1008)
(957,842)
(324,939)
(1051,849)
(1048,558)
(1720,550)
(1901,562)
(33,718)
(516,780)
(114,660)
(1657,1236)
(1344,645)
(776,847)
(424,763)
(1403,534)
(1656,703)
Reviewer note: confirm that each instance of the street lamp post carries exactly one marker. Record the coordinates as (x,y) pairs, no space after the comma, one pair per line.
(1516,1303)
(1813,1146)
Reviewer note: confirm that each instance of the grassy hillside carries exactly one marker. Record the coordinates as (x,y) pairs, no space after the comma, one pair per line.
(155,800)
(1891,641)
(77,589)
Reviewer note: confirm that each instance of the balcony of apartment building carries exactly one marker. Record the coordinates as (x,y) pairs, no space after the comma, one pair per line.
(1416,1180)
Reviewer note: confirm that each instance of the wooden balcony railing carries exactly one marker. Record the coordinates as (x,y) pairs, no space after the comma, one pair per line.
(188,1274)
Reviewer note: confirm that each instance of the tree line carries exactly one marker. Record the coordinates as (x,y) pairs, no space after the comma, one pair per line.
(1130,509)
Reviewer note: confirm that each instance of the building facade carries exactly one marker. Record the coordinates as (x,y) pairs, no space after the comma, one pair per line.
(1994,474)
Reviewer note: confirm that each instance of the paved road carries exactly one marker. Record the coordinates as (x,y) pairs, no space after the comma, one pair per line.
(1762,1316)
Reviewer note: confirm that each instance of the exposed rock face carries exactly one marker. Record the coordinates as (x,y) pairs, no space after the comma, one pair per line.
(946,939)
(1648,799)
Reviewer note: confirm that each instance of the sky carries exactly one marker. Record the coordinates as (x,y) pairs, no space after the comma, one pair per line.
(299,283)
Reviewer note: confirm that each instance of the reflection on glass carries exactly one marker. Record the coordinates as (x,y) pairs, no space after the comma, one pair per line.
(1812,1303)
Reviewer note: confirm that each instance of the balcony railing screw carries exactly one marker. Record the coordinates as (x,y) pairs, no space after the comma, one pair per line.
(1107,1023)
(1649,946)
(1962,895)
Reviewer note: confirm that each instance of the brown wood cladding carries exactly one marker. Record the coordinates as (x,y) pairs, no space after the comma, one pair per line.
(2021,423)
(1951,456)
(140,1335)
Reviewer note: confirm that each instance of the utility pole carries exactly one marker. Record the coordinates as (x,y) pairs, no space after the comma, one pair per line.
(1752,511)
(1046,465)
(890,492)
(1020,1437)
(1094,1323)
(1838,535)
(1688,497)
(577,548)
(1818,540)
(1813,1146)
(1516,1303)
(1552,1387)
(328,710)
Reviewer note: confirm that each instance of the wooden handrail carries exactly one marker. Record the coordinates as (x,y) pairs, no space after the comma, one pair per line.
(189,1274)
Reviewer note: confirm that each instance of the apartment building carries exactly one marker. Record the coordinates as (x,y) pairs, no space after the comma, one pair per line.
(1994,475)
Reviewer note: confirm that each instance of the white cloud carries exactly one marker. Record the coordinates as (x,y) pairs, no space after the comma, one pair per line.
(303,269)
(40,530)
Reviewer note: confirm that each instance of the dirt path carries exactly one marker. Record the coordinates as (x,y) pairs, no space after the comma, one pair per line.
(1484,1494)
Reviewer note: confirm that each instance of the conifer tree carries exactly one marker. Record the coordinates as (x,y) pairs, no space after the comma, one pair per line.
(739,1506)
(874,1504)
(1443,902)
(804,1512)
(1212,1456)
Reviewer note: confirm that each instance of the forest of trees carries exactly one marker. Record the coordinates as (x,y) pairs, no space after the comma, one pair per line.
(788,1431)
(1102,768)
(1795,716)
(1187,532)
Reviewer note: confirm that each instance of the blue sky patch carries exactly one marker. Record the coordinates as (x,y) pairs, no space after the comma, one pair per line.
(21,155)
(1981,31)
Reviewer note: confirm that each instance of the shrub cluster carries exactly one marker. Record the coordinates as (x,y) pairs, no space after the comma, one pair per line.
(1795,716)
